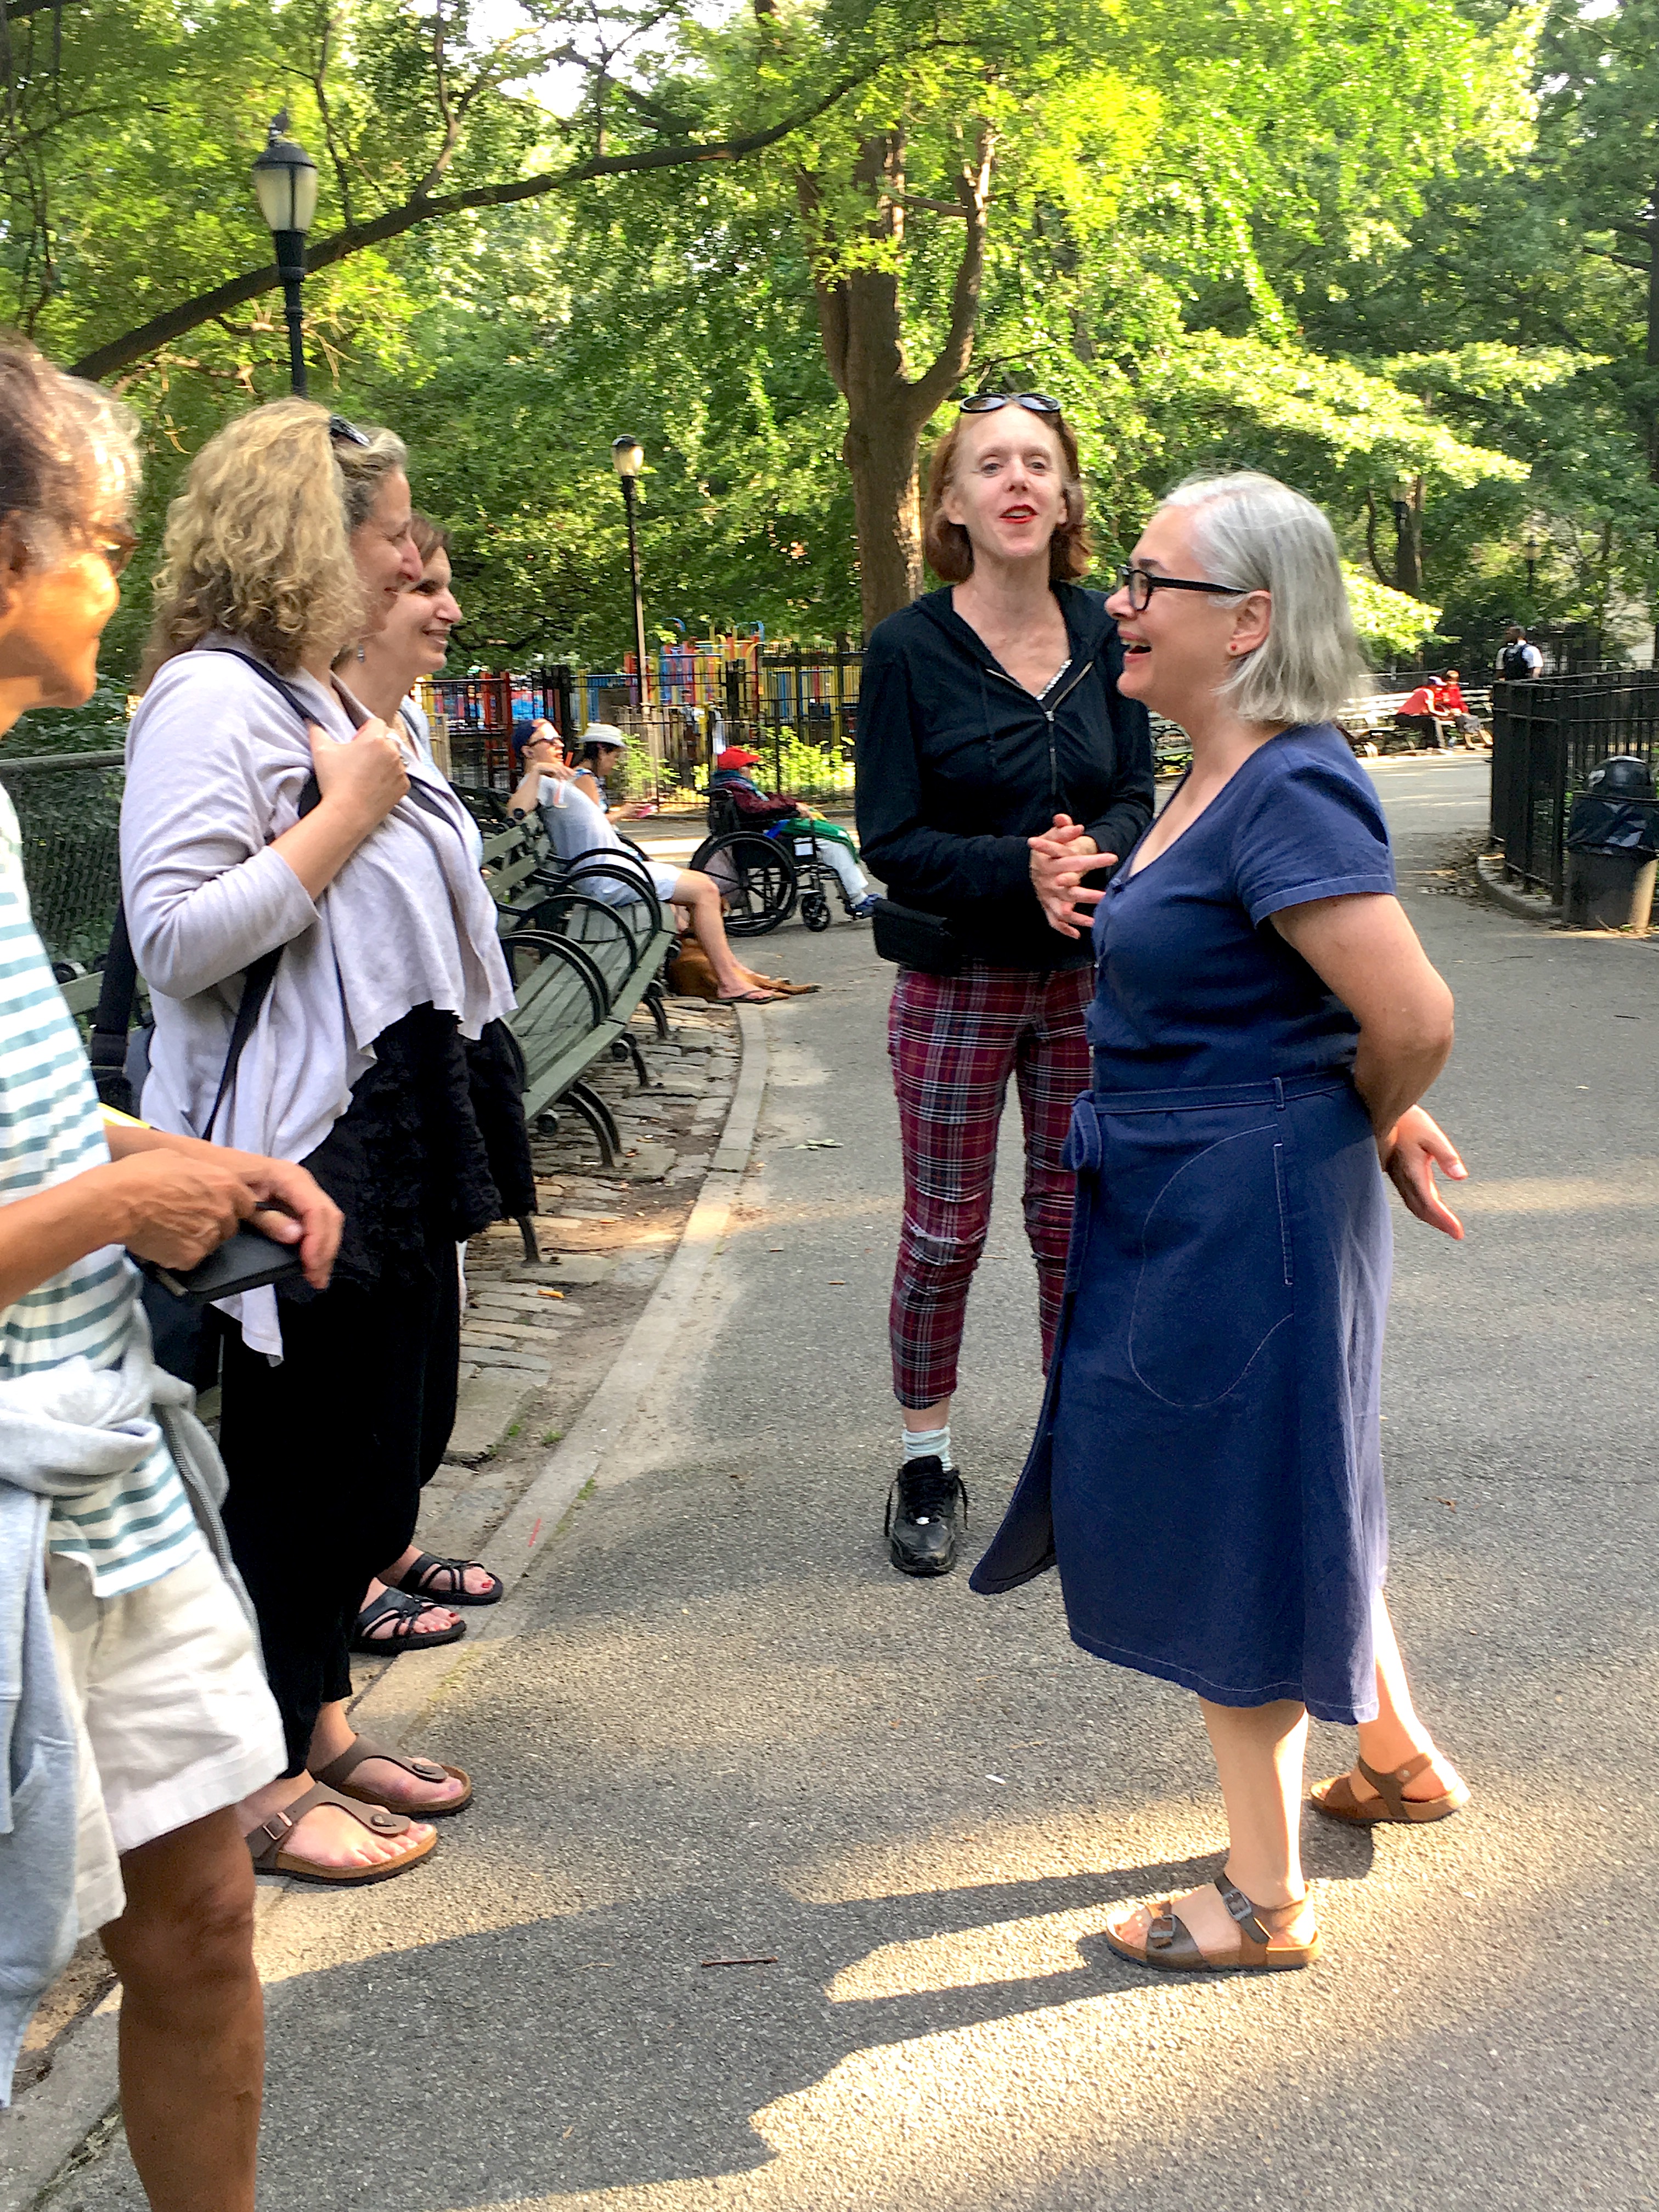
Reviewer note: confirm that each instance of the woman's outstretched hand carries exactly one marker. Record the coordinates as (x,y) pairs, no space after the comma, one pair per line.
(1412,1150)
(1060,858)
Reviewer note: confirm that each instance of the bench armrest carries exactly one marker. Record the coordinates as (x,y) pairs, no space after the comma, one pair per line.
(586,967)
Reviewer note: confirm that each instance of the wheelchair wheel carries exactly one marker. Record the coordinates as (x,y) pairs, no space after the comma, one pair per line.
(756,879)
(814,910)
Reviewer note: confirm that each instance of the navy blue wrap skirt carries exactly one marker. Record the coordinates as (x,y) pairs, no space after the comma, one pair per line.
(1207,1471)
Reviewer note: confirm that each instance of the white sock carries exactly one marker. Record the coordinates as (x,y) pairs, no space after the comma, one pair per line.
(928,1443)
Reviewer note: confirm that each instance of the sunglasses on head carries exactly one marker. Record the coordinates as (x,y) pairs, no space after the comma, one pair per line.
(339,427)
(987,402)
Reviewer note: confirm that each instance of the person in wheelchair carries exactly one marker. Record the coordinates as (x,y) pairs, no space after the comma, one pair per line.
(792,816)
(577,825)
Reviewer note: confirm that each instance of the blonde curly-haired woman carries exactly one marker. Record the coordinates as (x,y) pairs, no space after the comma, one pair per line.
(291,540)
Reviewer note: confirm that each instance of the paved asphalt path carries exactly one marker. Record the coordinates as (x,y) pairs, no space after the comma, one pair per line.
(729,1731)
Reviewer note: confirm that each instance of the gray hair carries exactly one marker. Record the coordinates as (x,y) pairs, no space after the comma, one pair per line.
(68,455)
(1263,537)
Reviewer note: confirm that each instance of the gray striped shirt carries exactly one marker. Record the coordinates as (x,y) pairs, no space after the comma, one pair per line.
(139,1527)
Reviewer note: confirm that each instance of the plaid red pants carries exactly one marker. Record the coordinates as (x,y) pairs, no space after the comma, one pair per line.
(954,1041)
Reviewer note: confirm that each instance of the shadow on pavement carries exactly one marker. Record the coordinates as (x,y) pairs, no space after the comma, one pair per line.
(567,2090)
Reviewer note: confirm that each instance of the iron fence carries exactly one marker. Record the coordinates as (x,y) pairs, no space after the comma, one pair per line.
(1547,734)
(69,815)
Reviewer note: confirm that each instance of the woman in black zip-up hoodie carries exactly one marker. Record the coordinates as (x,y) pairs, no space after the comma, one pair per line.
(988,713)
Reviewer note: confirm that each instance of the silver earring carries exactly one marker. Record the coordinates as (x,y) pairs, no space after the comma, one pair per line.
(361,653)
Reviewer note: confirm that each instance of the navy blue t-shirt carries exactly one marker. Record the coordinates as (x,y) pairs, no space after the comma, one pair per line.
(1193,984)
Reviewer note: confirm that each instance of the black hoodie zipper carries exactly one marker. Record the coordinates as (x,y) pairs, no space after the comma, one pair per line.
(1048,713)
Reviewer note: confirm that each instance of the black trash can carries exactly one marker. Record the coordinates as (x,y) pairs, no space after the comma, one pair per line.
(1613,847)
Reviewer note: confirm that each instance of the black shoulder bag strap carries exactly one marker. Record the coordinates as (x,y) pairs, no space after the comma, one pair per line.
(110,1025)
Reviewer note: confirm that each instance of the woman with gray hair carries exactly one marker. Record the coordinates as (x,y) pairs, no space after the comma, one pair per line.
(1208,1473)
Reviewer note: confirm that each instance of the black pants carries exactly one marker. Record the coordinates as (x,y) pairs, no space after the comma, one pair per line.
(1424,728)
(326,1455)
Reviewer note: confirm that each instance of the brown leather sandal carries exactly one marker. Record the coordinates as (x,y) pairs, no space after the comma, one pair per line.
(337,1774)
(268,1842)
(1337,1798)
(1171,1948)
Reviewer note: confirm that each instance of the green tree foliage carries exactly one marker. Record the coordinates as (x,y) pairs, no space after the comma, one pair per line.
(1400,251)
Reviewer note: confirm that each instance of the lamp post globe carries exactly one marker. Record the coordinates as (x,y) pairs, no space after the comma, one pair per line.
(628,458)
(285,185)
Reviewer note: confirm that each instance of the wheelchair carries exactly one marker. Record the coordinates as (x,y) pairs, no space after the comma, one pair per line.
(764,875)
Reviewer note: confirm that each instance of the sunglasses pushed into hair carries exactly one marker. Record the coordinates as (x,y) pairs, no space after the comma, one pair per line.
(987,402)
(339,427)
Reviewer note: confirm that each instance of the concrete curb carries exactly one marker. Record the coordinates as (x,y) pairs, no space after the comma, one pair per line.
(395,1702)
(1489,868)
(42,2134)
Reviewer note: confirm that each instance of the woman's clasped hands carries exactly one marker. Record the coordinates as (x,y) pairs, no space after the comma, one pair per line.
(1060,858)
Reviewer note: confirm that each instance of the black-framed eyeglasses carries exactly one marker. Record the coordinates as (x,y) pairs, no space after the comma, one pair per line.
(987,402)
(339,427)
(1141,583)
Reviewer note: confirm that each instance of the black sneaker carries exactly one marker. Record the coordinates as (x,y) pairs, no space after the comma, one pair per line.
(927,1515)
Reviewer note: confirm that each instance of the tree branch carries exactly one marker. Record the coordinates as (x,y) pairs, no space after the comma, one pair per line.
(831,299)
(319,89)
(135,344)
(1606,253)
(930,390)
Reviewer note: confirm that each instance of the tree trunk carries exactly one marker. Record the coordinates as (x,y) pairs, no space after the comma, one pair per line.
(861,318)
(1408,544)
(880,449)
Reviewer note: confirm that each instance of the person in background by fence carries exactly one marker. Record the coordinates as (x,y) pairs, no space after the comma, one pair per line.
(989,712)
(289,542)
(577,825)
(133,1711)
(1517,659)
(1417,718)
(1453,708)
(783,817)
(602,749)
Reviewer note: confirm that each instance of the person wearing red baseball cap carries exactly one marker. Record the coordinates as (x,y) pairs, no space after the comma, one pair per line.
(835,848)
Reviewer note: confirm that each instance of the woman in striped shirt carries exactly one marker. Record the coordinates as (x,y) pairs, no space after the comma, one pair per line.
(159,1719)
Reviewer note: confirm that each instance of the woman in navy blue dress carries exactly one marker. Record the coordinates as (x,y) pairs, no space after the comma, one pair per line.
(1206,1472)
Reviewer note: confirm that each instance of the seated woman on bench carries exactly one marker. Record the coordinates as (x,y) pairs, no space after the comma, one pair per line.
(577,825)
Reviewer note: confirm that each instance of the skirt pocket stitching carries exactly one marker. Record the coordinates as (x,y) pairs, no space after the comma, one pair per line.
(1192,1403)
(1283,1215)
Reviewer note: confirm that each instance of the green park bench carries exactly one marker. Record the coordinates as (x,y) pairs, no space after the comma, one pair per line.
(586,946)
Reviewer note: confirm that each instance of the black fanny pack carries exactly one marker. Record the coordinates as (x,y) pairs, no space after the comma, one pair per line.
(914,939)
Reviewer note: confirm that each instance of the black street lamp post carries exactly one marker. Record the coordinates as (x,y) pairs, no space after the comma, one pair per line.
(628,458)
(285,180)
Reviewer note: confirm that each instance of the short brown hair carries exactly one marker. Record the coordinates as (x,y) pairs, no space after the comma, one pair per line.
(428,538)
(948,553)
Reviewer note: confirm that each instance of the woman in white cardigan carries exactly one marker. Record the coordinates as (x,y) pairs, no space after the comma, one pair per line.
(265,811)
